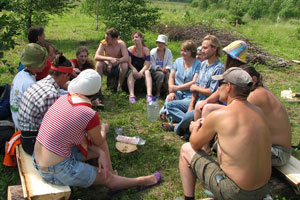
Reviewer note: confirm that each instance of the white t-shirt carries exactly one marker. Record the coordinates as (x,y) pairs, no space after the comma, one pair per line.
(21,82)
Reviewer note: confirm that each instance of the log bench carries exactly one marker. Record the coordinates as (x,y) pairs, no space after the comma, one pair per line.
(33,186)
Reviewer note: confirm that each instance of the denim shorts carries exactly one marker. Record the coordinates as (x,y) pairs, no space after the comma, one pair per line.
(71,171)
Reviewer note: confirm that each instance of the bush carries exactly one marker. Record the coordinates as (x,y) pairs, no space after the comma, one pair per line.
(294,21)
(195,3)
(221,14)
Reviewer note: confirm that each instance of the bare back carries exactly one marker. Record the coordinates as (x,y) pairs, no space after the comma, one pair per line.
(244,144)
(276,115)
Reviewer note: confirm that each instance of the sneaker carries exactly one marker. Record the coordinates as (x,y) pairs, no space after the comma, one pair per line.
(149,98)
(132,100)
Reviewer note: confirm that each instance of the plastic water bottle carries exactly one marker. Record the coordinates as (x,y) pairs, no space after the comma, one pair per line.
(152,110)
(131,140)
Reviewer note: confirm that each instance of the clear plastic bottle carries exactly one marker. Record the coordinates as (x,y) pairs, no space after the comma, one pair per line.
(152,110)
(131,140)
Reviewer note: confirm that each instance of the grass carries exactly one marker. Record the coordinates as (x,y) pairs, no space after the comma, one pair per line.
(161,151)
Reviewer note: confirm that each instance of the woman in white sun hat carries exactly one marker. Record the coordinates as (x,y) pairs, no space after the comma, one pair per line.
(161,63)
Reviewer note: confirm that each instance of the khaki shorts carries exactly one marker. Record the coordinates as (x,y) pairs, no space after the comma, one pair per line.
(212,176)
(280,155)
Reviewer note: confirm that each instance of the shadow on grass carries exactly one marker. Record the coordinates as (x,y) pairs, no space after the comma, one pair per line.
(71,45)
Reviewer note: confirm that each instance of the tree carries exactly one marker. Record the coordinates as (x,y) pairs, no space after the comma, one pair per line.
(127,15)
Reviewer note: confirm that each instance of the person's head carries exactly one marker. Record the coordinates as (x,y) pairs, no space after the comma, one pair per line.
(61,70)
(82,54)
(87,83)
(257,78)
(162,41)
(199,55)
(236,54)
(211,47)
(234,82)
(111,35)
(188,49)
(34,58)
(137,37)
(35,33)
(50,49)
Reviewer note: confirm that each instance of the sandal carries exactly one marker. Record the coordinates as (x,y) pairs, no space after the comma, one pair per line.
(167,126)
(158,180)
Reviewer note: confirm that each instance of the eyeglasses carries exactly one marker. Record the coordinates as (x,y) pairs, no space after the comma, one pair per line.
(221,82)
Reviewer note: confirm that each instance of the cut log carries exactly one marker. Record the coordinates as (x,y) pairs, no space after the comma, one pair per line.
(292,172)
(14,192)
(34,187)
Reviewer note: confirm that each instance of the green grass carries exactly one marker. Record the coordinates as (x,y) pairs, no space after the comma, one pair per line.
(161,151)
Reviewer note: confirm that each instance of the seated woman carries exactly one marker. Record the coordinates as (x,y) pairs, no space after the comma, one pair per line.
(161,63)
(184,73)
(139,64)
(67,123)
(82,62)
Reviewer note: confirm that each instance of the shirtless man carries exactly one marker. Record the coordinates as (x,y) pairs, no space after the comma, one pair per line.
(244,157)
(275,113)
(112,57)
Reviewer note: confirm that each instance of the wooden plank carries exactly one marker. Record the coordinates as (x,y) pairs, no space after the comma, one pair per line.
(33,183)
(292,171)
(14,192)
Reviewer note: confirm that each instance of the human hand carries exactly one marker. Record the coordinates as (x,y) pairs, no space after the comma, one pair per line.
(102,163)
(114,61)
(164,70)
(195,124)
(194,88)
(104,128)
(201,104)
(108,69)
(172,88)
(171,96)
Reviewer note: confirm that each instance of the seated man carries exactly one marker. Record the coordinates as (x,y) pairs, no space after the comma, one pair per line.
(275,114)
(244,156)
(112,57)
(37,99)
(34,61)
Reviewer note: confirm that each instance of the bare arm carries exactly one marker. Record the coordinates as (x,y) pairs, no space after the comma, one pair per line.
(99,54)
(124,51)
(147,62)
(193,101)
(202,136)
(204,91)
(187,85)
(97,135)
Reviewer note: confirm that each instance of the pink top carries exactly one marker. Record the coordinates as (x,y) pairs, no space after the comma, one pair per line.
(65,125)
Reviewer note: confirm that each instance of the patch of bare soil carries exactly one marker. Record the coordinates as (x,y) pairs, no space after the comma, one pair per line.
(256,55)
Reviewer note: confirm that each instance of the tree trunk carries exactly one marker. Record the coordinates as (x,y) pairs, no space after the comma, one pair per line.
(29,20)
(97,15)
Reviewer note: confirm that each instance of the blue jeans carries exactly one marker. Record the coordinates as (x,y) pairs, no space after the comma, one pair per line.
(178,113)
(70,171)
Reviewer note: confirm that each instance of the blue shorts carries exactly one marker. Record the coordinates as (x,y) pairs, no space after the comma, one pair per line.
(71,171)
(114,71)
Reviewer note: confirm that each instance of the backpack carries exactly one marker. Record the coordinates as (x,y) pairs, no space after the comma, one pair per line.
(7,129)
(4,101)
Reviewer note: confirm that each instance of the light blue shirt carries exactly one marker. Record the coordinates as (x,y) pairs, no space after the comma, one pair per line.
(204,79)
(182,75)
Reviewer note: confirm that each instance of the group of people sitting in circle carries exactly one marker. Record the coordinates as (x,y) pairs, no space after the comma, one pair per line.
(207,103)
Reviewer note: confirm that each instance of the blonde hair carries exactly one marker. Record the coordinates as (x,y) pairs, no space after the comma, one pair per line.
(215,42)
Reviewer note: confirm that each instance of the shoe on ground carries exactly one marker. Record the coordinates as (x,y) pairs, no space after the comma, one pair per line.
(149,98)
(132,100)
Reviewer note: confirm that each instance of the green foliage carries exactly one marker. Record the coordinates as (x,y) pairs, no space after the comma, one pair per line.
(195,3)
(127,15)
(298,33)
(257,9)
(290,9)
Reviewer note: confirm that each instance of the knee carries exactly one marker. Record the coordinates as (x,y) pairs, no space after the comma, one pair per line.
(208,108)
(184,149)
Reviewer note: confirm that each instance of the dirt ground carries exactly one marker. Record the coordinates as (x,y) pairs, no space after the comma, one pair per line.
(199,31)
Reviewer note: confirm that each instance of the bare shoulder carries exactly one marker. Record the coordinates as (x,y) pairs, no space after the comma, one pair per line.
(121,43)
(130,48)
(147,51)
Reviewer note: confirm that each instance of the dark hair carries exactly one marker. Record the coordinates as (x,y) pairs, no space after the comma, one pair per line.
(189,45)
(112,32)
(241,91)
(230,62)
(140,35)
(34,32)
(45,44)
(82,49)
(252,72)
(59,60)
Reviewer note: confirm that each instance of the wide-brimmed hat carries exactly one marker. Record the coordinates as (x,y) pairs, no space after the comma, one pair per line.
(162,39)
(34,55)
(88,82)
(236,76)
(237,50)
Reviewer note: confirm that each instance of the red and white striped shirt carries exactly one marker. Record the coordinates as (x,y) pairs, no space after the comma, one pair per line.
(65,125)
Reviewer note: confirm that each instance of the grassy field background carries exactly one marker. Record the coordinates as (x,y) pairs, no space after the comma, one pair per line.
(161,151)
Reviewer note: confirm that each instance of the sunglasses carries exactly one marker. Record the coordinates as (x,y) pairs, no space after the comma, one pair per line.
(221,82)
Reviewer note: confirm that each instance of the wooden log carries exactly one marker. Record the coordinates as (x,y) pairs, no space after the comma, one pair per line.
(14,192)
(292,172)
(34,187)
